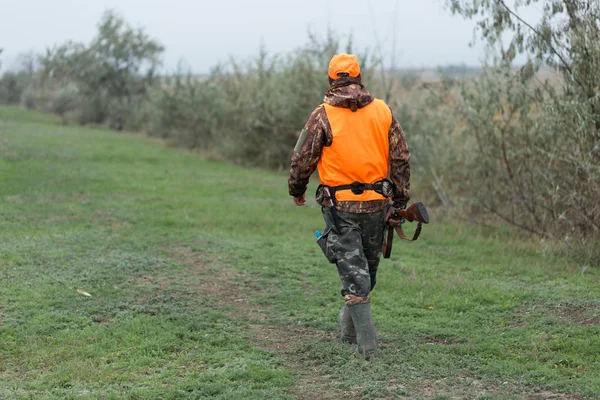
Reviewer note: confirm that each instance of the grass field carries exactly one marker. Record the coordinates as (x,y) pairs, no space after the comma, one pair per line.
(206,283)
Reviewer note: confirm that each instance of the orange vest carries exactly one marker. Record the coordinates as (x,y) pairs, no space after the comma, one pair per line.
(359,151)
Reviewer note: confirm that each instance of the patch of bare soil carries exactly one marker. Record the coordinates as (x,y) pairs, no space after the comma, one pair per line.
(469,388)
(580,315)
(584,315)
(58,218)
(439,340)
(155,282)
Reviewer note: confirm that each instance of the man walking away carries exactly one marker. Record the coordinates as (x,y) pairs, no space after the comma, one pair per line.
(362,156)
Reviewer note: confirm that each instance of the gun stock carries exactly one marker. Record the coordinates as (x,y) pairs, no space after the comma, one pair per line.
(416,212)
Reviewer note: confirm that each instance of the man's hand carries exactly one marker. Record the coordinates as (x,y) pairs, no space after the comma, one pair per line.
(392,218)
(300,201)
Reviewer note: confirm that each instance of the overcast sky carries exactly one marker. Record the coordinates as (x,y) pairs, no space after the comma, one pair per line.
(206,32)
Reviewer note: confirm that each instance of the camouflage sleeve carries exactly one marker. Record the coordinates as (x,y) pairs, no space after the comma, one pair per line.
(399,163)
(315,134)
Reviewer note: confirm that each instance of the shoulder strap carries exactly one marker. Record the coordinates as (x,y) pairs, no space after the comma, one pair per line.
(387,245)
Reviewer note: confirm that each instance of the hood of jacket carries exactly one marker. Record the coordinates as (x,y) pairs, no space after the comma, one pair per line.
(348,92)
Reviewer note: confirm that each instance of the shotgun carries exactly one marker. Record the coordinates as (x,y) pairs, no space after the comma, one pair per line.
(416,212)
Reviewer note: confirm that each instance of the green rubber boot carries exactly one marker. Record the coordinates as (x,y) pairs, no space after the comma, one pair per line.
(365,330)
(347,331)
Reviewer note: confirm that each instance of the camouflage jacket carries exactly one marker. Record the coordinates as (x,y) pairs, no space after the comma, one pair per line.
(348,93)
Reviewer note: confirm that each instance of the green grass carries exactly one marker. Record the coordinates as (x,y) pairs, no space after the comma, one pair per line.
(10,113)
(166,243)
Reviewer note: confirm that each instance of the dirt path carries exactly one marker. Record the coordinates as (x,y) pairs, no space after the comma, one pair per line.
(232,290)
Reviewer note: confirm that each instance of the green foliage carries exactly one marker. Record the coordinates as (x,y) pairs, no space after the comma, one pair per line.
(112,74)
(189,111)
(249,112)
(536,157)
(12,86)
(431,122)
(270,99)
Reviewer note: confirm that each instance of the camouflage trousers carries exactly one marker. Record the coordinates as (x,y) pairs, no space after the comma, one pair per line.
(355,250)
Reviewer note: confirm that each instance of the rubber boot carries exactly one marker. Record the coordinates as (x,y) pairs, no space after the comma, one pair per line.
(365,330)
(347,331)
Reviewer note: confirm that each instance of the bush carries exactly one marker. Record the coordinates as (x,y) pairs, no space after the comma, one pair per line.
(187,110)
(12,86)
(535,159)
(112,74)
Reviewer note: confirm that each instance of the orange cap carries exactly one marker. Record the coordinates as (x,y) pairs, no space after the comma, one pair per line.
(347,63)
